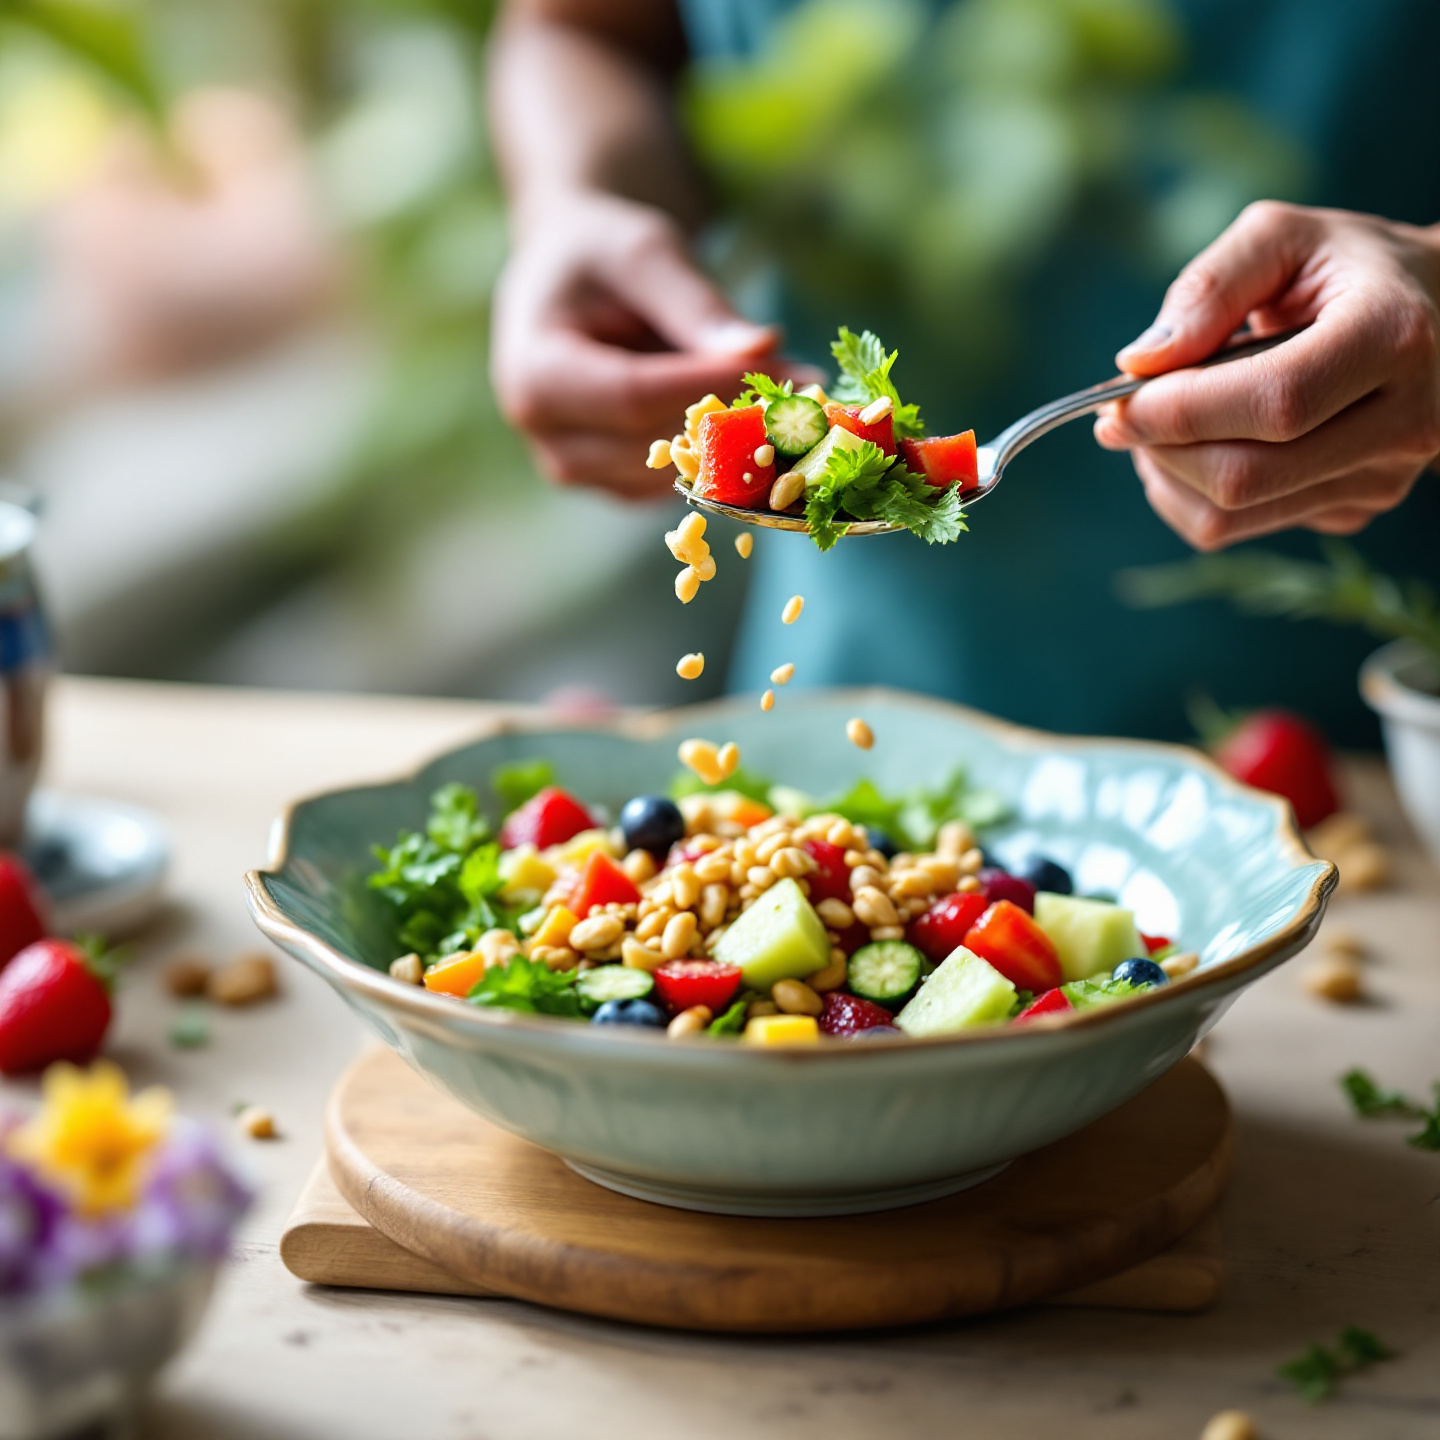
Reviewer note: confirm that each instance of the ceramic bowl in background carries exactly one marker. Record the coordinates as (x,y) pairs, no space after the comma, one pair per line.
(837,1127)
(1402,683)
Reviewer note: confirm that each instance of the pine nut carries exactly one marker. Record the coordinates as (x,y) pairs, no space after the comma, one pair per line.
(764,455)
(747,477)
(690,667)
(832,977)
(887,932)
(687,582)
(654,923)
(728,759)
(596,933)
(863,876)
(684,460)
(1337,978)
(638,956)
(694,525)
(685,885)
(678,937)
(257,1123)
(689,1022)
(714,902)
(971,861)
(841,833)
(836,914)
(872,907)
(662,895)
(794,997)
(639,865)
(782,674)
(775,841)
(704,568)
(876,410)
(659,456)
(497,947)
(955,837)
(761,1007)
(1179,966)
(703,758)
(713,867)
(942,872)
(694,414)
(1230,1425)
(744,544)
(967,884)
(242,981)
(859,733)
(793,606)
(556,957)
(910,882)
(409,968)
(767,700)
(786,490)
(688,549)
(762,877)
(791,862)
(745,855)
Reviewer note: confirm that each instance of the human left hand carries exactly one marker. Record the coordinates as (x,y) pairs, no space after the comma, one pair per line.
(1326,431)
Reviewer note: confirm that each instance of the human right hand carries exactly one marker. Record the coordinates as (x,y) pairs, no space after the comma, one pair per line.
(605,331)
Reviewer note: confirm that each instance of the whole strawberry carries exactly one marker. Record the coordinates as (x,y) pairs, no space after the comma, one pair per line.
(22,907)
(54,1005)
(1285,754)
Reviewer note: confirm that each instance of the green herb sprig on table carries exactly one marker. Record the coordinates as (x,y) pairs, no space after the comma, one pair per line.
(1342,588)
(1372,1102)
(1317,1371)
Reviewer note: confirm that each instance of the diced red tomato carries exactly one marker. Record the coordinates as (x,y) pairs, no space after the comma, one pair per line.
(849,1015)
(847,417)
(603,882)
(1052,1002)
(550,817)
(728,472)
(1155,942)
(1016,946)
(941,930)
(944,459)
(830,880)
(679,984)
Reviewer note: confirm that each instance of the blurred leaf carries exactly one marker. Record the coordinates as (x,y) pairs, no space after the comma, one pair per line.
(104,37)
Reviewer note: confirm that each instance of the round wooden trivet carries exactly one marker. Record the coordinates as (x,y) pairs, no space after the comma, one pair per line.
(506,1216)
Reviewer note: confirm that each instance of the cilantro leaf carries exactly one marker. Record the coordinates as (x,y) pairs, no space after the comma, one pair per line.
(455,820)
(530,987)
(1362,1347)
(732,1022)
(762,387)
(1316,1371)
(864,482)
(934,514)
(865,376)
(517,783)
(1370,1100)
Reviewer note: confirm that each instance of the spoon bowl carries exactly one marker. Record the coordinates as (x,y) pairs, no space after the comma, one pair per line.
(992,457)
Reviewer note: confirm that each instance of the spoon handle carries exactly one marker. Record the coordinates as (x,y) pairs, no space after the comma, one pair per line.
(1085,402)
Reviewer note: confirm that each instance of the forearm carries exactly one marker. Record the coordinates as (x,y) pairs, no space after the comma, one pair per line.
(574,109)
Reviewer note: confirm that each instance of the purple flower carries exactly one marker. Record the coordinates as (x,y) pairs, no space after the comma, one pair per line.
(192,1201)
(31,1218)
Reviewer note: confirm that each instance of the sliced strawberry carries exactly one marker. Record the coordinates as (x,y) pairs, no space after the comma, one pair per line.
(550,817)
(850,1014)
(679,984)
(880,432)
(1016,946)
(1052,1002)
(941,930)
(23,908)
(1155,942)
(603,882)
(728,472)
(830,880)
(944,459)
(53,1006)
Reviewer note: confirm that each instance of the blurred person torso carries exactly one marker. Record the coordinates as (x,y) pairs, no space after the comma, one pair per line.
(1005,205)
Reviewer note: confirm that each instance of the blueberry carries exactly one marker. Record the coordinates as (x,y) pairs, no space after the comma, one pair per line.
(880,841)
(628,1012)
(1141,972)
(651,822)
(1044,874)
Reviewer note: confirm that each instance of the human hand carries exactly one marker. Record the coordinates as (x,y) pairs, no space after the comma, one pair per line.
(1327,430)
(605,331)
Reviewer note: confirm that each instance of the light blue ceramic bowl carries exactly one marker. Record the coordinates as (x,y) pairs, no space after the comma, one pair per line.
(839,1127)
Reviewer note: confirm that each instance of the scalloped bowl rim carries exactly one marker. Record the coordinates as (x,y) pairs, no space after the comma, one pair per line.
(480,1021)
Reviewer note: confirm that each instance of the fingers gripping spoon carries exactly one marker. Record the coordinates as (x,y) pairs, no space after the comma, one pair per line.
(993,457)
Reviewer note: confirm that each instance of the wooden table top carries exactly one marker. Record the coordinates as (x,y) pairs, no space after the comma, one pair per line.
(1329,1220)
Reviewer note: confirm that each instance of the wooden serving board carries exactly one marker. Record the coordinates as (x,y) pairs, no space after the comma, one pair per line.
(432,1198)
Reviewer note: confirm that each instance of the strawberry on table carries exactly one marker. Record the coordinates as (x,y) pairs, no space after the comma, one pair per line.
(1285,754)
(23,908)
(549,817)
(54,1005)
(879,432)
(944,459)
(728,469)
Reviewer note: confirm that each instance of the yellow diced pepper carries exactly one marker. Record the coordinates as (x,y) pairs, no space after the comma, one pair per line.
(555,928)
(576,850)
(456,974)
(782,1030)
(525,871)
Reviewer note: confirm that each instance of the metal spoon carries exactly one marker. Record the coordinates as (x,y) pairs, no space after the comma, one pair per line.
(992,458)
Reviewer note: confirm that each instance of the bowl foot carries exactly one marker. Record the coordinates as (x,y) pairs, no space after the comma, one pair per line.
(797,1207)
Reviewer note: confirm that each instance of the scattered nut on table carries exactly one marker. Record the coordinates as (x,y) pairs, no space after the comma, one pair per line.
(187,976)
(1334,977)
(1344,942)
(257,1122)
(243,981)
(1230,1425)
(1347,839)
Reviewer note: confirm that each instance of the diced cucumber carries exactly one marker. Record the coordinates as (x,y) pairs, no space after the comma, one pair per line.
(964,991)
(795,424)
(1086,994)
(812,465)
(1091,936)
(885,971)
(780,937)
(614,982)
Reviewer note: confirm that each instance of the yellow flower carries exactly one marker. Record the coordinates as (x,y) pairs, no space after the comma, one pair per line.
(90,1138)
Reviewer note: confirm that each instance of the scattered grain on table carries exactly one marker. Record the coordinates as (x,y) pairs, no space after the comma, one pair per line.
(257,1122)
(243,981)
(186,976)
(1336,978)
(1230,1425)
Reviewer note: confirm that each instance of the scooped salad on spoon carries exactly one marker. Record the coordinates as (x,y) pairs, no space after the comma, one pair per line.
(855,457)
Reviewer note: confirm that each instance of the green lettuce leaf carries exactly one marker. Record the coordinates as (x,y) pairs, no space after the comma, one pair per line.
(522,781)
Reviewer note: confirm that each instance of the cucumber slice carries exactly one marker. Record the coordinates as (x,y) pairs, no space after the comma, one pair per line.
(963,992)
(614,982)
(885,971)
(795,424)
